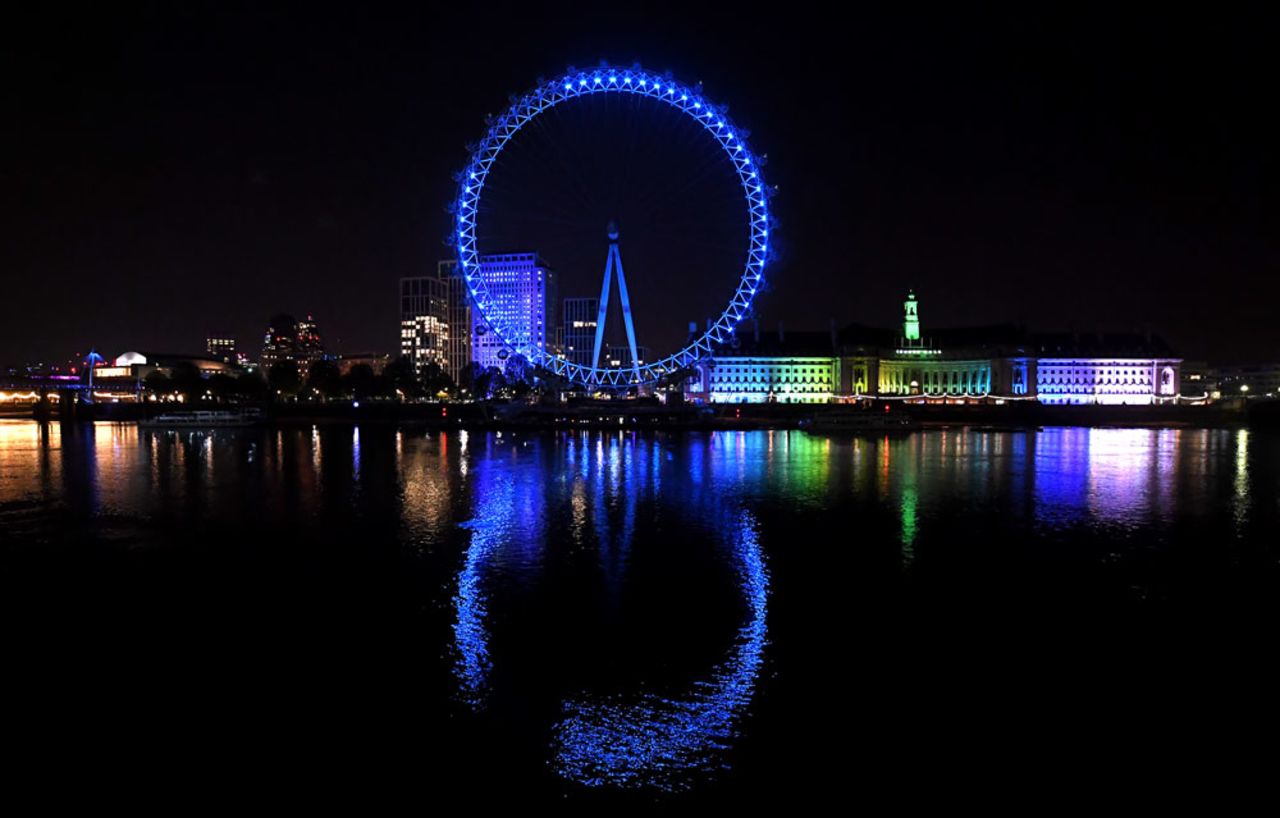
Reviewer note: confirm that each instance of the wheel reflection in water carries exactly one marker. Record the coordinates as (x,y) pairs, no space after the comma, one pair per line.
(664,741)
(508,526)
(488,531)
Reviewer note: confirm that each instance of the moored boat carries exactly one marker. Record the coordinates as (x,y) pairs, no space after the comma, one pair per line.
(860,422)
(200,419)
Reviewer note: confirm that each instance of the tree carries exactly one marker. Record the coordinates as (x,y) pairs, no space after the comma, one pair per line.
(222,385)
(251,386)
(402,377)
(517,369)
(359,382)
(382,386)
(325,378)
(283,378)
(489,382)
(468,377)
(187,380)
(549,386)
(435,380)
(157,383)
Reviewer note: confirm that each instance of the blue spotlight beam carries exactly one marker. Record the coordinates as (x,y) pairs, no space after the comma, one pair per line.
(616,81)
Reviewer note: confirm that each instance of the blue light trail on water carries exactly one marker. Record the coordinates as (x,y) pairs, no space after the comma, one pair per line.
(471,637)
(507,533)
(668,742)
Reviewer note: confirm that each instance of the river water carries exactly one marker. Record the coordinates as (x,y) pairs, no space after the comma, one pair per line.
(656,619)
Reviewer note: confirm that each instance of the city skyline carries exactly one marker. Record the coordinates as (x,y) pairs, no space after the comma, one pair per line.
(1102,184)
(333,433)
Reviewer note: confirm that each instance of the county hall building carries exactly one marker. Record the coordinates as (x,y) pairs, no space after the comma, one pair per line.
(972,364)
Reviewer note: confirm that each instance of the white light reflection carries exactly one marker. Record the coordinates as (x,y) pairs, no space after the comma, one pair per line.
(1240,496)
(355,452)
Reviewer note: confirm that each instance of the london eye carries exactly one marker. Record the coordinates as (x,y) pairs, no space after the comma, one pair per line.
(750,233)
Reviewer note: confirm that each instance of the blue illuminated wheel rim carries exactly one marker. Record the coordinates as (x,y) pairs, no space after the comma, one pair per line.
(615,81)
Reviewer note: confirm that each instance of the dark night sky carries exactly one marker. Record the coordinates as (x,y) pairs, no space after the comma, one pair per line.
(166,172)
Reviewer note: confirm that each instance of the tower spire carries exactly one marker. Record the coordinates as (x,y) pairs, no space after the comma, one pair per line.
(911,318)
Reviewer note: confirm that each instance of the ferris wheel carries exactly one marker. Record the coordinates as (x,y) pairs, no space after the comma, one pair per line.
(714,122)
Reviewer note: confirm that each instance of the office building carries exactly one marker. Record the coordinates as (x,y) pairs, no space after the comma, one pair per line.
(290,340)
(221,346)
(435,320)
(578,329)
(522,299)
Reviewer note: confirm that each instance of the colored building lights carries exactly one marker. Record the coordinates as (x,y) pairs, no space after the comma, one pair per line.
(1104,381)
(771,380)
(916,369)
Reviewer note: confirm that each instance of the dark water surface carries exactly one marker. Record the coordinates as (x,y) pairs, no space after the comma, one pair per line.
(602,619)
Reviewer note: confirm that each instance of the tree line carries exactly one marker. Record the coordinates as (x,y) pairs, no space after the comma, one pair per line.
(325,380)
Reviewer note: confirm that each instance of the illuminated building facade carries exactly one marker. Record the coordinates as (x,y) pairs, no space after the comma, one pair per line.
(1106,381)
(290,340)
(134,366)
(991,363)
(920,367)
(750,379)
(425,340)
(280,342)
(860,374)
(222,346)
(310,347)
(523,297)
(782,367)
(424,321)
(435,320)
(937,376)
(1115,369)
(122,379)
(578,329)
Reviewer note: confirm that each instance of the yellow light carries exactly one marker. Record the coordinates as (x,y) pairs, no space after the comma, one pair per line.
(15,397)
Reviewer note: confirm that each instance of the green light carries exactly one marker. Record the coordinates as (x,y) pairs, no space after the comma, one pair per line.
(908,525)
(911,321)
